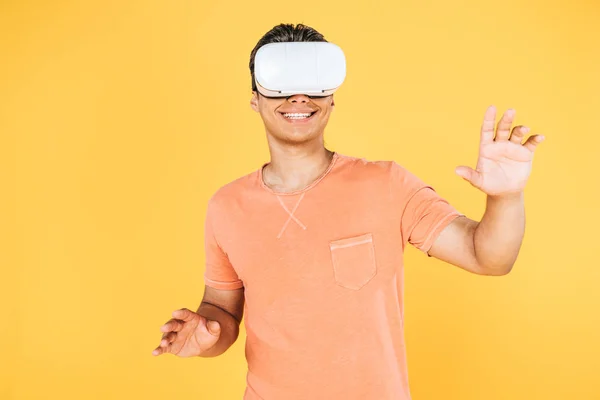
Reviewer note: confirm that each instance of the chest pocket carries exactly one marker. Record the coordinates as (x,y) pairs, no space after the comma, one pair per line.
(353,259)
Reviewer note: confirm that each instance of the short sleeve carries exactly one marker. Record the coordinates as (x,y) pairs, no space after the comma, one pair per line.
(425,213)
(219,273)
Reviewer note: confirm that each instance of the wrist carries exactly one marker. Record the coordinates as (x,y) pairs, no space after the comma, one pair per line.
(507,197)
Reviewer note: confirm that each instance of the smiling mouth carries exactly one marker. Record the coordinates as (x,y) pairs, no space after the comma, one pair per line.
(297,116)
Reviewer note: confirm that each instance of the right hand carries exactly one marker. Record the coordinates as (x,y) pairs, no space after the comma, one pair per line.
(188,334)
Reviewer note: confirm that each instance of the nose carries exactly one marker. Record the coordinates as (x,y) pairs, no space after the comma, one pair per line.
(298,98)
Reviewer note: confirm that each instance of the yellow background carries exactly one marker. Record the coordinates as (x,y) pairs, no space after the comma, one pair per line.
(119,119)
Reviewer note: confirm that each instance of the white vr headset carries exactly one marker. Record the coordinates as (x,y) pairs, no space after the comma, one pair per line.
(287,68)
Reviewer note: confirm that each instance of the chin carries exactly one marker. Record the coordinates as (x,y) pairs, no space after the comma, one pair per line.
(297,137)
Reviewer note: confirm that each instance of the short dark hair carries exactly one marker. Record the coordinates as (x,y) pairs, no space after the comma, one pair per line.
(285,33)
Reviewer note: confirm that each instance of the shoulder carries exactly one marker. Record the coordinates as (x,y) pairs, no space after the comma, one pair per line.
(388,174)
(388,169)
(233,192)
(362,164)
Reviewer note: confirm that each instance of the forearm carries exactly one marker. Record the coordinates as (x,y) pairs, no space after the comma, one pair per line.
(498,236)
(229,328)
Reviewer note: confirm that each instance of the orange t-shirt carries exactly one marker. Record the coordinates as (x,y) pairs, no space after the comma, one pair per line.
(322,270)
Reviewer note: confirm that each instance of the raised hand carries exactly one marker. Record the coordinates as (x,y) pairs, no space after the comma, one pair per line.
(188,334)
(504,162)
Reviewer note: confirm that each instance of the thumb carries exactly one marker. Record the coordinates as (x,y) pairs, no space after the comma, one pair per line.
(469,174)
(213,327)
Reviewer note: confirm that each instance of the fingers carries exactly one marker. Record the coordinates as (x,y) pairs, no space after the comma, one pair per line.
(171,328)
(168,338)
(184,314)
(164,345)
(174,325)
(503,130)
(518,133)
(214,328)
(470,175)
(158,351)
(165,342)
(533,141)
(487,128)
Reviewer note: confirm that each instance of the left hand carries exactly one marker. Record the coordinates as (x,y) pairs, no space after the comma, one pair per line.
(504,162)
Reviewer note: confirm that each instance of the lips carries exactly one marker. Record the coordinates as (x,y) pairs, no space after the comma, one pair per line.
(307,110)
(297,115)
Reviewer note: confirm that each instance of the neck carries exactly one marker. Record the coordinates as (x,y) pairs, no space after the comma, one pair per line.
(294,167)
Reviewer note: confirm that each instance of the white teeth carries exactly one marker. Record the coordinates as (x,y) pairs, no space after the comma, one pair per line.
(296,115)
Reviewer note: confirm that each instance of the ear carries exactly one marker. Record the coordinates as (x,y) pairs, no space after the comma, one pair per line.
(332,102)
(254,101)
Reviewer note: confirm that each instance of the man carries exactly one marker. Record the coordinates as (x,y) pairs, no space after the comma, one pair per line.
(310,247)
